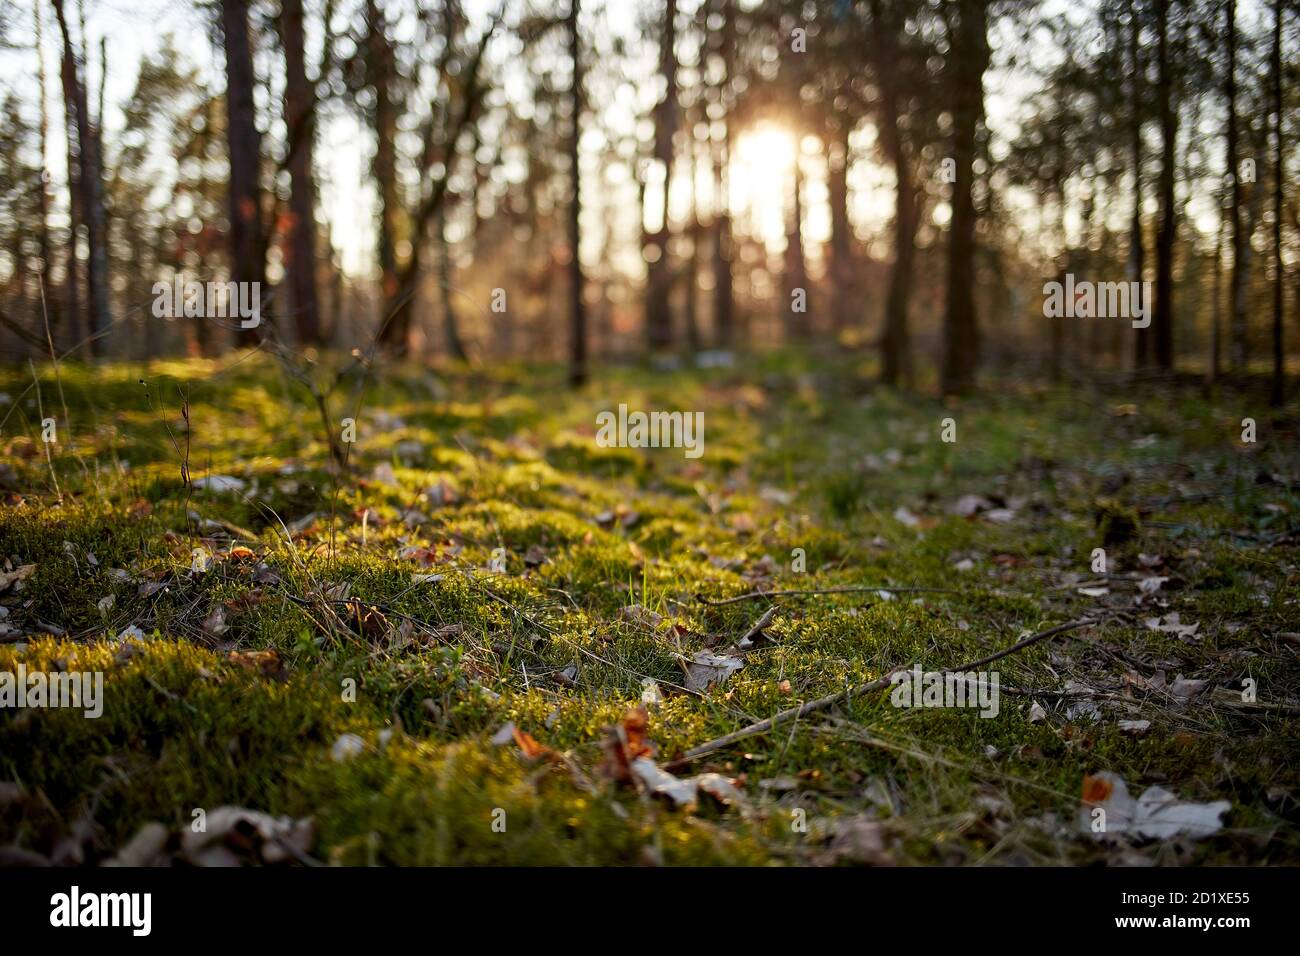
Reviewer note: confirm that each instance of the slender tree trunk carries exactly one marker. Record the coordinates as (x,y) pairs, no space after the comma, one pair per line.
(723,288)
(797,324)
(577,308)
(658,309)
(299,111)
(379,75)
(244,143)
(1164,305)
(1137,246)
(970,51)
(1216,310)
(1277,394)
(1236,299)
(43,227)
(89,188)
(691,310)
(841,245)
(896,359)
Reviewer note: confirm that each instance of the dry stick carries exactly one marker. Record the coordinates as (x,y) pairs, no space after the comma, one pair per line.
(880,683)
(841,590)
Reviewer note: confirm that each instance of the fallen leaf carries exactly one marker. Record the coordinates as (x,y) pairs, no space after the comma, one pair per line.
(1172,624)
(528,745)
(1156,815)
(624,742)
(1185,688)
(21,573)
(706,668)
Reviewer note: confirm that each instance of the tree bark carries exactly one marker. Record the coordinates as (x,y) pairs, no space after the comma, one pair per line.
(970,53)
(658,309)
(379,76)
(724,319)
(1162,325)
(89,189)
(895,358)
(244,143)
(1137,245)
(299,111)
(43,231)
(843,299)
(1278,391)
(1236,298)
(577,308)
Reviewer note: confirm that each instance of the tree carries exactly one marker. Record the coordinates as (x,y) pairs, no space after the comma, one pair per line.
(1236,285)
(1137,113)
(659,276)
(299,113)
(884,52)
(244,145)
(724,320)
(969,60)
(577,308)
(1275,74)
(1163,320)
(380,70)
(89,185)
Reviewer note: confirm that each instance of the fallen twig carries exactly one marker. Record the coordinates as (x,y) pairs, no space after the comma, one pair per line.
(879,683)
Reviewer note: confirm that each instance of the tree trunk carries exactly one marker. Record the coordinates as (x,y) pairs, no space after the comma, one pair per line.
(43,227)
(895,358)
(658,310)
(798,324)
(244,142)
(843,299)
(89,188)
(723,295)
(970,52)
(1278,390)
(1164,305)
(379,76)
(1236,298)
(577,308)
(1216,310)
(299,111)
(1137,246)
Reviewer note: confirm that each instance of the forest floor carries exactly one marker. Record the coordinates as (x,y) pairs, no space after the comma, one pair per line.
(489,640)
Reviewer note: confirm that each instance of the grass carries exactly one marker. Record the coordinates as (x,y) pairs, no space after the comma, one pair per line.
(483,561)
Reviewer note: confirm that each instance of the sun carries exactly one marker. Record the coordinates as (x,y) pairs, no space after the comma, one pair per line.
(762,171)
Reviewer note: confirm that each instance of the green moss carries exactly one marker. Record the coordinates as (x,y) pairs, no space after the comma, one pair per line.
(805,461)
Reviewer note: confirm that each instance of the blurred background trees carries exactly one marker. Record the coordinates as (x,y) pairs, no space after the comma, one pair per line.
(665,179)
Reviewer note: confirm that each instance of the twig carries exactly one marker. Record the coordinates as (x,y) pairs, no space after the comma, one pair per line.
(840,590)
(880,683)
